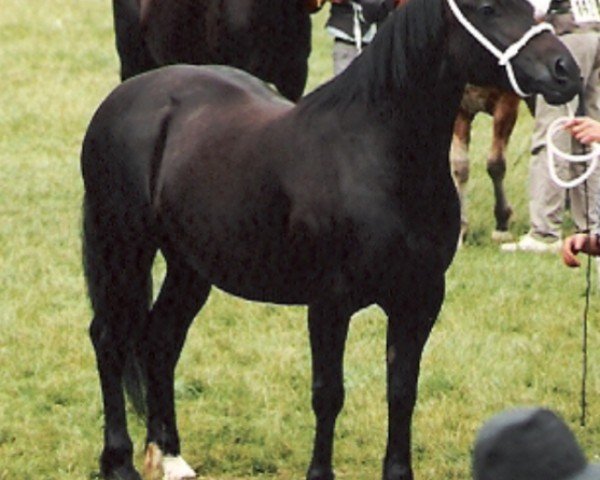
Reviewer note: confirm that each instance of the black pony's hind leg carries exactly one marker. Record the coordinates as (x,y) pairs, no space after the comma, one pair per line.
(118,271)
(181,297)
(328,329)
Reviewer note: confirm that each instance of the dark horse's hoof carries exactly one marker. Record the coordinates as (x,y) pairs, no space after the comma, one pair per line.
(320,474)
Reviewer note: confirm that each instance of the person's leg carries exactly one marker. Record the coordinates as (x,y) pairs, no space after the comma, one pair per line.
(546,199)
(586,49)
(343,54)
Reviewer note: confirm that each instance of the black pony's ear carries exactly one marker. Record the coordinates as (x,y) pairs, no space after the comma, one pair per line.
(375,11)
(313,6)
(540,8)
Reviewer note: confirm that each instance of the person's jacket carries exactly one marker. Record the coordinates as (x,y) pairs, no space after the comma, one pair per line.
(562,19)
(341,20)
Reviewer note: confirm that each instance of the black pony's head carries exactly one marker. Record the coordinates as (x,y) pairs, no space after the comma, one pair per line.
(542,64)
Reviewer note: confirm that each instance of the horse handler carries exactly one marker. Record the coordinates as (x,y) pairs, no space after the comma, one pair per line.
(586,130)
(579,29)
(353,24)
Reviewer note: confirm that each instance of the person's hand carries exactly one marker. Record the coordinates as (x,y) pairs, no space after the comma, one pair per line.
(580,242)
(584,129)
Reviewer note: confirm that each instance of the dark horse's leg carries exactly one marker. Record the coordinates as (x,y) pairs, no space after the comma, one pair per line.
(182,295)
(133,53)
(328,329)
(118,272)
(409,323)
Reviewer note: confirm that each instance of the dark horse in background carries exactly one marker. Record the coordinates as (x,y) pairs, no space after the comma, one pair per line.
(341,201)
(267,38)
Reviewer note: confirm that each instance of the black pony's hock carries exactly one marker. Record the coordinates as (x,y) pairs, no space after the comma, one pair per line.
(267,38)
(339,202)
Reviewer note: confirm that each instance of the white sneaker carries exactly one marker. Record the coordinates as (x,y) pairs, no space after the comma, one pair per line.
(529,244)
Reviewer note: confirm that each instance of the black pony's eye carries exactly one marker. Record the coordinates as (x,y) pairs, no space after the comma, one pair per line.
(487,10)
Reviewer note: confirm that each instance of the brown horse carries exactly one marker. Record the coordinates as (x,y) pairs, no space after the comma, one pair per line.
(503,106)
(267,38)
(338,202)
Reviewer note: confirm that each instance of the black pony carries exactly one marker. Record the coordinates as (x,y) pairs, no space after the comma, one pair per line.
(338,202)
(268,38)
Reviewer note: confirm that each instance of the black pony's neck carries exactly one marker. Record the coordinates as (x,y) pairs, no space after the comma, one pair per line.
(406,66)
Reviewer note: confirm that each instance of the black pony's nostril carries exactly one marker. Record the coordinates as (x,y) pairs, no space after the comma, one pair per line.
(561,70)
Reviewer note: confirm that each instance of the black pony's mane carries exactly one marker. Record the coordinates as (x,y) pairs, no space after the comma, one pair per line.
(398,59)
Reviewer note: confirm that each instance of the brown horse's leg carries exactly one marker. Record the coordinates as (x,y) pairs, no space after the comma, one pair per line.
(459,164)
(409,323)
(182,295)
(328,329)
(505,117)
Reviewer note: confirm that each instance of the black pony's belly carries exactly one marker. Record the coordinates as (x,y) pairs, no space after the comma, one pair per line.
(272,280)
(264,267)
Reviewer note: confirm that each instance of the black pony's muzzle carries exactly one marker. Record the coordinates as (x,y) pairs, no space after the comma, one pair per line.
(557,77)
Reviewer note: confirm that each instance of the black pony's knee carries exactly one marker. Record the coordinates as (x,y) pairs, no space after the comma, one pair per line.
(327,400)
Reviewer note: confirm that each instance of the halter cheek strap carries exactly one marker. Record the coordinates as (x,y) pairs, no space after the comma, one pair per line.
(512,51)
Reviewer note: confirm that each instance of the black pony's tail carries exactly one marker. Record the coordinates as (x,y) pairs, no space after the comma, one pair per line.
(135,382)
(118,282)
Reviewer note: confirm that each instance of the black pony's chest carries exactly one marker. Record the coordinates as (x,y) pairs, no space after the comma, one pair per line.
(416,228)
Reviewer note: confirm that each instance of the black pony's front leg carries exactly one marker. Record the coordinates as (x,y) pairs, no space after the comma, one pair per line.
(411,318)
(328,329)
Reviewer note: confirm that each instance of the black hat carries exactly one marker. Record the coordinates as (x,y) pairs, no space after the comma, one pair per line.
(529,444)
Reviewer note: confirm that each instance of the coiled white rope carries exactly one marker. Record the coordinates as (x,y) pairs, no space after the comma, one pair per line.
(554,152)
(505,57)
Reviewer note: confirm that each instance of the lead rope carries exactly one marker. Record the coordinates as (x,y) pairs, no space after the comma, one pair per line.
(581,111)
(586,309)
(589,155)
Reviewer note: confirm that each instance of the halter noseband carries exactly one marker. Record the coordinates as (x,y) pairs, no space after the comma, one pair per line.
(505,57)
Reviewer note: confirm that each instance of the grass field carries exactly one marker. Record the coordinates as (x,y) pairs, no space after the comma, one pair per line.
(509,332)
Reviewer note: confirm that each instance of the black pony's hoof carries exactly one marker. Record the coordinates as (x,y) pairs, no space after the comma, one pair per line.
(397,472)
(125,472)
(320,474)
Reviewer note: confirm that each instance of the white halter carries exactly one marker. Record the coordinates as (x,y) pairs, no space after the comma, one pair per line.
(505,57)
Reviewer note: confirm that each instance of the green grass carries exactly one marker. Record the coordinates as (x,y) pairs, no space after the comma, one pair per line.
(509,332)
